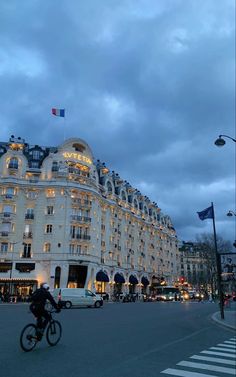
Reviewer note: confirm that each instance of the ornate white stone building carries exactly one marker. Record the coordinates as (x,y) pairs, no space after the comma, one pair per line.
(68,220)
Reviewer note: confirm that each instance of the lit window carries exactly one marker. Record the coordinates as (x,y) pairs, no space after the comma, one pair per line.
(50,193)
(47,247)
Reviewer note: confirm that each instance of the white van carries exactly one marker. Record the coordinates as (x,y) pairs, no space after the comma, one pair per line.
(67,297)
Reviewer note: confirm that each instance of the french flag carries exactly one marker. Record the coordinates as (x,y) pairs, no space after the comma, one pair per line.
(58,112)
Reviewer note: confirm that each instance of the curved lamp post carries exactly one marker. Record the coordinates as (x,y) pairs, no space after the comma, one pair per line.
(220,142)
(231,213)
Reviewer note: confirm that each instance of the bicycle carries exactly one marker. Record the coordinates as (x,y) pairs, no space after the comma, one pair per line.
(30,334)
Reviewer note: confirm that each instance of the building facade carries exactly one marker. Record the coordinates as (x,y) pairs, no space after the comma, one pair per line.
(66,219)
(194,266)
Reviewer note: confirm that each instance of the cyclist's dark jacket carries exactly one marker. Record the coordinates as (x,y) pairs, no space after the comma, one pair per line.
(39,298)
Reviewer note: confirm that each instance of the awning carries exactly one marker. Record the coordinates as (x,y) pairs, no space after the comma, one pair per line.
(25,267)
(144,281)
(133,279)
(119,278)
(102,276)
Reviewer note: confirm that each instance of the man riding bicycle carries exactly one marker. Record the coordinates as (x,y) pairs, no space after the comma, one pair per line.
(37,307)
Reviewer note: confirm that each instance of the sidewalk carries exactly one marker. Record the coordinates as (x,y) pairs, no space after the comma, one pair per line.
(230,317)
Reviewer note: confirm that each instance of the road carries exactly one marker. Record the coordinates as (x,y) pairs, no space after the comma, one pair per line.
(119,340)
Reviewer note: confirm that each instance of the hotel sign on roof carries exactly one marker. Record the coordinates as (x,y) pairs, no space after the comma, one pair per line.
(77,157)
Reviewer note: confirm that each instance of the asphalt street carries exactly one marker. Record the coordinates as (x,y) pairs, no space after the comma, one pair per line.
(118,340)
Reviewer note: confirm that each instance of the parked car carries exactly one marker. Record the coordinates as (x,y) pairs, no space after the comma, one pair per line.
(68,297)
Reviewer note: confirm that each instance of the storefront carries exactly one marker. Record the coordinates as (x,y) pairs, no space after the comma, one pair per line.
(119,280)
(17,289)
(133,281)
(101,282)
(145,283)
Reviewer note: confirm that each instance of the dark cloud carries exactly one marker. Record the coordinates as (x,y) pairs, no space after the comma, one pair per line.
(149,85)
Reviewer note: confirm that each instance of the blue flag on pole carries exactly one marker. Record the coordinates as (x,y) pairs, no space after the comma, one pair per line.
(206,213)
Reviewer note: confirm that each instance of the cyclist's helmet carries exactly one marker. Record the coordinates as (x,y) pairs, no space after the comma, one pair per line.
(45,286)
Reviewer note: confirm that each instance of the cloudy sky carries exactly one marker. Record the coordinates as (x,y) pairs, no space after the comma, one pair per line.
(148,84)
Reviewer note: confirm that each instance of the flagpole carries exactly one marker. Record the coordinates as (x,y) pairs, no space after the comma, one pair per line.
(218,268)
(64,135)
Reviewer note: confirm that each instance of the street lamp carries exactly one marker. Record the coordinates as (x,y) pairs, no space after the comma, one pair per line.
(231,213)
(220,142)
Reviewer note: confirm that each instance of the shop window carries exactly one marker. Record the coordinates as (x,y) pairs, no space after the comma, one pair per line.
(57,277)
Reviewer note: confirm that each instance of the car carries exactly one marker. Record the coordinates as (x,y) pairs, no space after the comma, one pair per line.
(68,297)
(192,294)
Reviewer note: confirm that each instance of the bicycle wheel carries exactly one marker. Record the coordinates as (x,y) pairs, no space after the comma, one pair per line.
(53,334)
(28,337)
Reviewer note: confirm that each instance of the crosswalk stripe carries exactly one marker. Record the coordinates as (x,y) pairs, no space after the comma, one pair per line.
(218,354)
(185,373)
(214,359)
(213,368)
(223,349)
(230,341)
(226,345)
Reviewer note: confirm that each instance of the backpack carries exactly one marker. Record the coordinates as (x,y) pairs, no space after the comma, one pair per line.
(36,295)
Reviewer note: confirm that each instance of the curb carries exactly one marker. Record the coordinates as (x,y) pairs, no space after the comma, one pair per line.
(222,322)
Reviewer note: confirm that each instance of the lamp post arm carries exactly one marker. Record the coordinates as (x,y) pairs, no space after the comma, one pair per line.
(229,137)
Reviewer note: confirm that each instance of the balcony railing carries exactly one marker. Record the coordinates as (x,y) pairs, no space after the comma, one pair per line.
(13,166)
(29,216)
(27,235)
(84,237)
(26,255)
(4,234)
(81,218)
(7,214)
(8,196)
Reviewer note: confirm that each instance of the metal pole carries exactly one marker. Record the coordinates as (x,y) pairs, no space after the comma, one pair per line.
(218,269)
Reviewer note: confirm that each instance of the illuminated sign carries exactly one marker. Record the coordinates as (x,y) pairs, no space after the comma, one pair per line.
(77,156)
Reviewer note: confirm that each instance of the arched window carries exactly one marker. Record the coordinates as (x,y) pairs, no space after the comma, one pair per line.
(13,163)
(57,277)
(123,196)
(109,187)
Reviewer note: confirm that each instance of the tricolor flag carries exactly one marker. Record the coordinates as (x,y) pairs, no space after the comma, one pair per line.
(206,213)
(58,112)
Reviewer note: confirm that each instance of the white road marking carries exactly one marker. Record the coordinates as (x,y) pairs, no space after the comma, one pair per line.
(226,345)
(213,368)
(218,354)
(184,373)
(214,359)
(222,349)
(228,348)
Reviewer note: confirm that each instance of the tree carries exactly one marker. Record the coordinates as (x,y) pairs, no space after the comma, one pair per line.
(206,246)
